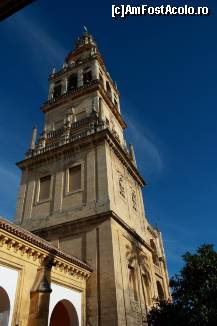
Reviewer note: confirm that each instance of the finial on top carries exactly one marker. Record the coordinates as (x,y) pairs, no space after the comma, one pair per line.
(85,28)
(86,38)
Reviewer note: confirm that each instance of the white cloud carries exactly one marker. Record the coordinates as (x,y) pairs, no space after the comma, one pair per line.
(38,39)
(45,51)
(147,154)
(8,174)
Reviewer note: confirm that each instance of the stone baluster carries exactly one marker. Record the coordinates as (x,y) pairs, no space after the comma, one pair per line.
(51,90)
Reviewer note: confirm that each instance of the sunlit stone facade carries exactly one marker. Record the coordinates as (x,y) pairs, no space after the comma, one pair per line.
(38,282)
(81,191)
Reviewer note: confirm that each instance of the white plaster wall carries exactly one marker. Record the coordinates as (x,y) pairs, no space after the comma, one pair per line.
(60,293)
(8,280)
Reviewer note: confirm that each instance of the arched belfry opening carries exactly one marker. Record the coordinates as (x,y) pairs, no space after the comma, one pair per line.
(4,307)
(64,314)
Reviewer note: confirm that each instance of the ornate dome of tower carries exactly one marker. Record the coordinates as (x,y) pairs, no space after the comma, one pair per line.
(86,38)
(85,46)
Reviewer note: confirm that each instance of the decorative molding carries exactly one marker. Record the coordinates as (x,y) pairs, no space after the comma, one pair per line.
(95,138)
(152,231)
(68,227)
(121,184)
(80,270)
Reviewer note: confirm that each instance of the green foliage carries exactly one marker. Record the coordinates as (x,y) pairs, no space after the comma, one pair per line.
(194,293)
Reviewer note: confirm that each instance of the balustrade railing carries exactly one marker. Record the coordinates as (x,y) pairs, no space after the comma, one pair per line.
(71,91)
(66,136)
(55,133)
(63,136)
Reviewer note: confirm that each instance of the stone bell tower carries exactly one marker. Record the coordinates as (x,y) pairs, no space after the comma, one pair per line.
(81,190)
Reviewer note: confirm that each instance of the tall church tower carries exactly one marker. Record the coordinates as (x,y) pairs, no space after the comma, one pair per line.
(81,190)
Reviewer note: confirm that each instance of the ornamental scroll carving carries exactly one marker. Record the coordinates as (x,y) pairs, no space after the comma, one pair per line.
(134,201)
(121,185)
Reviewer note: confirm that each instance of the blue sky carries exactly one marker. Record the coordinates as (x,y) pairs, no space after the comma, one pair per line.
(166,71)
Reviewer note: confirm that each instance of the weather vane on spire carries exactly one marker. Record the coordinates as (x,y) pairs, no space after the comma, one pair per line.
(85,28)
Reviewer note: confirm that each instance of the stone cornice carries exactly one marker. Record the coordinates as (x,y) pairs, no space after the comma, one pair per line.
(67,227)
(152,231)
(98,137)
(33,246)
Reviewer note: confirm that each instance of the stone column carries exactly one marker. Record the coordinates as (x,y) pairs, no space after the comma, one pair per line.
(65,85)
(80,77)
(51,89)
(95,70)
(40,295)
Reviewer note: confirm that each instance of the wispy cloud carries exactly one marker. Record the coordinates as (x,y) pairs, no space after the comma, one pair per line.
(147,153)
(44,49)
(38,39)
(8,174)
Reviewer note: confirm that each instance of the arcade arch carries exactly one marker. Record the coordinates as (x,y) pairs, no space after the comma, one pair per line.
(64,314)
(4,307)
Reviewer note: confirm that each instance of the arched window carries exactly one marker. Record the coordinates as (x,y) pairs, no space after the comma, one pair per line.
(57,89)
(72,81)
(4,307)
(87,75)
(154,253)
(64,314)
(160,291)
